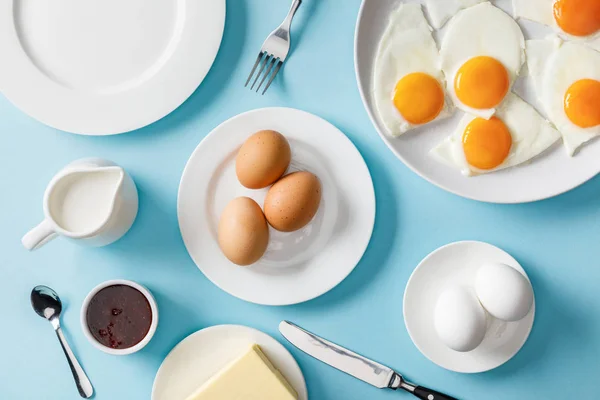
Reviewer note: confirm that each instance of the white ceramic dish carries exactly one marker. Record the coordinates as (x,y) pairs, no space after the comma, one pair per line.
(457,264)
(105,67)
(530,182)
(297,266)
(144,341)
(123,209)
(204,353)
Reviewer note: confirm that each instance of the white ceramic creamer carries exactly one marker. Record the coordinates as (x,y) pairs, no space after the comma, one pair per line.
(92,201)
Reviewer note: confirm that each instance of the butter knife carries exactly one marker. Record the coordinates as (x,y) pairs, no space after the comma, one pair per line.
(353,364)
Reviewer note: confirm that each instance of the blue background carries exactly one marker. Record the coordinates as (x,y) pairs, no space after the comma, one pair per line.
(557,241)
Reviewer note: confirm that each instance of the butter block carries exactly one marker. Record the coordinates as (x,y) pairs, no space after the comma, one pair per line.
(250,377)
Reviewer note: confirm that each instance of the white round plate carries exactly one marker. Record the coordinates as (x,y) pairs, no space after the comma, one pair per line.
(457,264)
(101,67)
(297,266)
(202,354)
(529,182)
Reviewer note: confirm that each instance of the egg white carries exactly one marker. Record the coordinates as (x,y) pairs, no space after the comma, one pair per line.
(440,11)
(481,30)
(531,135)
(541,11)
(406,46)
(538,51)
(554,66)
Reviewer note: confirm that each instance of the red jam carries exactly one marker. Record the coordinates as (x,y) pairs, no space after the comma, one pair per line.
(119,316)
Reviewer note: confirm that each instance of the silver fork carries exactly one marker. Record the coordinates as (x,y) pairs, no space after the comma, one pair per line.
(274,51)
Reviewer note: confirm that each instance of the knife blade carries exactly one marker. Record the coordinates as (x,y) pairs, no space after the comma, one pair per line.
(353,364)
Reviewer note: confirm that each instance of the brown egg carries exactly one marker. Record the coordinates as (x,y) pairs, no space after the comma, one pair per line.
(293,201)
(243,231)
(262,159)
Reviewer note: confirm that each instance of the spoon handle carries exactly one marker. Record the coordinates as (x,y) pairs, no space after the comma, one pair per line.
(84,385)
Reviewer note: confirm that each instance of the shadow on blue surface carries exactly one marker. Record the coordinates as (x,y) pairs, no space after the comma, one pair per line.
(380,246)
(302,22)
(154,235)
(557,325)
(170,332)
(580,200)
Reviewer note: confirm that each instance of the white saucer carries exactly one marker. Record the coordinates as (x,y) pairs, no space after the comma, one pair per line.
(101,67)
(297,266)
(204,353)
(457,263)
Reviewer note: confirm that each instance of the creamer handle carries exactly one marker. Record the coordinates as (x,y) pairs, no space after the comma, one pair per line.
(39,236)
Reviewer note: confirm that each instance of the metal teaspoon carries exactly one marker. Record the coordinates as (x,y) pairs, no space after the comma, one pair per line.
(46,304)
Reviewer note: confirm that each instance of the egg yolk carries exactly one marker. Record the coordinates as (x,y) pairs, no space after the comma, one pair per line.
(486,143)
(482,82)
(582,103)
(578,17)
(419,98)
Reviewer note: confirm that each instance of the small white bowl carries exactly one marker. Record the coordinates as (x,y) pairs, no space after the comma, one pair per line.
(144,341)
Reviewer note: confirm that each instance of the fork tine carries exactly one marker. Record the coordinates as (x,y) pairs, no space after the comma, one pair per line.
(273,76)
(271,64)
(262,67)
(260,56)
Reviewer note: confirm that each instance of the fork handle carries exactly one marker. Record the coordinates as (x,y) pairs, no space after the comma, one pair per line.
(287,23)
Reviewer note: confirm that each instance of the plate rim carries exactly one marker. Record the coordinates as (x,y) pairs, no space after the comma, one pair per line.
(429,256)
(372,199)
(11,92)
(230,326)
(412,167)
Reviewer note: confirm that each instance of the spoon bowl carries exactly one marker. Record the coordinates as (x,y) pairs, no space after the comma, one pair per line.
(45,302)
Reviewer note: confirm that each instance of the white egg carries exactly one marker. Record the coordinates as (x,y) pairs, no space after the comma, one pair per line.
(481,31)
(555,67)
(503,291)
(459,319)
(440,11)
(542,11)
(531,135)
(407,49)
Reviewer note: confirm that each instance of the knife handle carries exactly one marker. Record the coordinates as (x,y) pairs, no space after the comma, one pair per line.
(427,394)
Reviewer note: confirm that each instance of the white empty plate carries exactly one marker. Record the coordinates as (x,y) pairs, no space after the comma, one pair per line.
(457,264)
(297,266)
(550,174)
(105,66)
(202,354)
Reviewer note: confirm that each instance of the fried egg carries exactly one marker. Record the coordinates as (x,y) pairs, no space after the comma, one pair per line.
(516,134)
(482,54)
(441,11)
(577,20)
(567,83)
(408,84)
